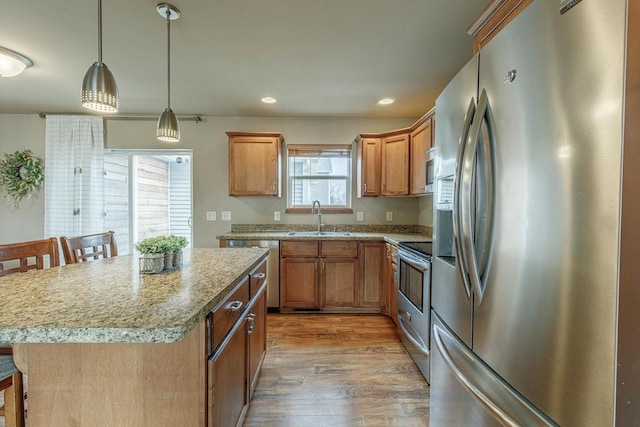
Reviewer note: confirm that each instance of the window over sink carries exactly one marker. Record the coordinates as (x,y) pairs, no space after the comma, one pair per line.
(319,172)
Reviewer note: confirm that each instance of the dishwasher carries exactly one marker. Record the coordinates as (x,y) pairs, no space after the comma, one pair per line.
(273,267)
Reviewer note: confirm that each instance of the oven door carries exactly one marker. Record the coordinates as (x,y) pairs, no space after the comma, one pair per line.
(413,298)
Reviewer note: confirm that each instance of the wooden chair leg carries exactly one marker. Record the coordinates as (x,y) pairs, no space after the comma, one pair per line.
(13,403)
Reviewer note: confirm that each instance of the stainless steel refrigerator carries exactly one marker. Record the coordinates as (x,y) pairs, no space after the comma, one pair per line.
(533,248)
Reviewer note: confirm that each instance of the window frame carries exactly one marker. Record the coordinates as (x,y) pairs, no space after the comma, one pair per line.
(320,150)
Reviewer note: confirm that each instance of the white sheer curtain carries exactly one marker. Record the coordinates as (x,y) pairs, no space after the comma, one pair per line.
(74,176)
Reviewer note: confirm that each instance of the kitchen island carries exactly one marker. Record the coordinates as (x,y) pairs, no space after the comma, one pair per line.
(103,345)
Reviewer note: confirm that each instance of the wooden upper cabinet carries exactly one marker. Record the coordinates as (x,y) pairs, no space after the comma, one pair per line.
(421,140)
(495,16)
(369,166)
(255,164)
(395,164)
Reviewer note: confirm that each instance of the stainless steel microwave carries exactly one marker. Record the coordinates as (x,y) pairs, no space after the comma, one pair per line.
(430,170)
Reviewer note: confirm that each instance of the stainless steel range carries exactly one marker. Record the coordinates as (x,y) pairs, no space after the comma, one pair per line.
(414,301)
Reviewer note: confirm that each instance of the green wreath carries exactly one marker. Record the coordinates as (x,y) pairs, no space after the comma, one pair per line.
(21,175)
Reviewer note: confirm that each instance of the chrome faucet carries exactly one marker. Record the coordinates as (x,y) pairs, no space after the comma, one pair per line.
(313,207)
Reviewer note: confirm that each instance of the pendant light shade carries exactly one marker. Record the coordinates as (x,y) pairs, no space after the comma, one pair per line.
(99,89)
(168,126)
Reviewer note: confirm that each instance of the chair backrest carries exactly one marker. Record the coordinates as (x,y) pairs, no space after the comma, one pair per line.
(29,255)
(93,246)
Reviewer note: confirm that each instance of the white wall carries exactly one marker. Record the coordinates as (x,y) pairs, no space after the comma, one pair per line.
(17,133)
(210,170)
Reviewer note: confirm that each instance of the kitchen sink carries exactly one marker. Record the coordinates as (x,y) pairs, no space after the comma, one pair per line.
(322,233)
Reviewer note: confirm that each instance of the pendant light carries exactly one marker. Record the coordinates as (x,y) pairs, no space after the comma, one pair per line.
(99,89)
(168,126)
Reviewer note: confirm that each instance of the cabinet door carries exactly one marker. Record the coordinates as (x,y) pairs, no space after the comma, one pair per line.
(391,286)
(387,280)
(299,283)
(257,331)
(228,379)
(420,142)
(369,167)
(371,278)
(254,164)
(339,282)
(395,165)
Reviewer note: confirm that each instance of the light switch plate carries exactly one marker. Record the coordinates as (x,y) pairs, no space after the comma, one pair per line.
(360,216)
(211,215)
(276,216)
(389,216)
(226,215)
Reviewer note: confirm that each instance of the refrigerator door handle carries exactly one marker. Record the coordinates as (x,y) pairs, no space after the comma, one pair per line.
(501,400)
(476,269)
(461,262)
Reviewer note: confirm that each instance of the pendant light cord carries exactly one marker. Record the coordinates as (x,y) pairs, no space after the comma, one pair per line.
(168,59)
(100,31)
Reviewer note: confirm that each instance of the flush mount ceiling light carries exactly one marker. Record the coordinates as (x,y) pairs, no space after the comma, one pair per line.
(99,89)
(385,101)
(12,63)
(168,126)
(269,100)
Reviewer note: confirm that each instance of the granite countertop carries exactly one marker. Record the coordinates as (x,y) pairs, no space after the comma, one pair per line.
(106,301)
(390,237)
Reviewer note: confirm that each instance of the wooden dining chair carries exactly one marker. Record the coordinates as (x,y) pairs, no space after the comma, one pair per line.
(18,258)
(11,385)
(24,256)
(93,246)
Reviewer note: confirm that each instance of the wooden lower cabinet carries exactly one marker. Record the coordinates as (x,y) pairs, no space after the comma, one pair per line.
(234,366)
(339,282)
(372,292)
(299,283)
(345,274)
(228,379)
(257,345)
(390,269)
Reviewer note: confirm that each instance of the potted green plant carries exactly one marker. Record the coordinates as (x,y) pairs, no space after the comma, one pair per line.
(176,245)
(152,250)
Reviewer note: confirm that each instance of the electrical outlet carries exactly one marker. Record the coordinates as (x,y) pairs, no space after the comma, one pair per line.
(211,215)
(360,216)
(276,216)
(389,216)
(226,215)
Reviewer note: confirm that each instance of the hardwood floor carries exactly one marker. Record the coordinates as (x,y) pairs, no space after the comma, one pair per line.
(337,370)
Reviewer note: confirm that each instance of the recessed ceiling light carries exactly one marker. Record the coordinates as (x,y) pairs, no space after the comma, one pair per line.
(269,100)
(386,101)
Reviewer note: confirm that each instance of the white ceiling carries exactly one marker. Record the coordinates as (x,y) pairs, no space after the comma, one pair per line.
(333,58)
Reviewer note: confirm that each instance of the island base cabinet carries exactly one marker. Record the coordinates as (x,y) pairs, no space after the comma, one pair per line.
(128,384)
(228,380)
(257,331)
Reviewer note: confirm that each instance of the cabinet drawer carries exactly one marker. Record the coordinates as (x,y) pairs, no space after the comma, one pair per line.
(302,248)
(339,248)
(257,277)
(227,312)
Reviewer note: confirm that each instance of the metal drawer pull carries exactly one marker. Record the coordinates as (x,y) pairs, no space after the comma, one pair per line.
(235,305)
(259,276)
(251,318)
